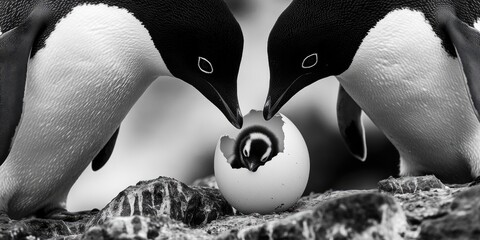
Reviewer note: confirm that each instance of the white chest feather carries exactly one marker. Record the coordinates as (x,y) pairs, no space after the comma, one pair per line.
(417,94)
(95,65)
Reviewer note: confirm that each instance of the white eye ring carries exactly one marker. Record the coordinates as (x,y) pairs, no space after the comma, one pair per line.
(311,65)
(200,59)
(246,148)
(266,155)
(245,153)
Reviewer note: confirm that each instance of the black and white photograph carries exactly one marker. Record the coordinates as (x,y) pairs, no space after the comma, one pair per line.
(239,119)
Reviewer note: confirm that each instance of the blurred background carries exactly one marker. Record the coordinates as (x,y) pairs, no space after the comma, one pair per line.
(173,130)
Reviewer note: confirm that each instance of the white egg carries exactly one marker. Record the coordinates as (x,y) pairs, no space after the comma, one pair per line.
(275,186)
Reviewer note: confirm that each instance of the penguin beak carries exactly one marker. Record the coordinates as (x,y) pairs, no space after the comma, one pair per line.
(253,166)
(279,93)
(225,99)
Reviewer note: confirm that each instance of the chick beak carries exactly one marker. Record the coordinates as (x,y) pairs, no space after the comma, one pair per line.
(253,166)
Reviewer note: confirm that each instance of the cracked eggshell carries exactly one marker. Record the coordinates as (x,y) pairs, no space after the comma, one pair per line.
(278,184)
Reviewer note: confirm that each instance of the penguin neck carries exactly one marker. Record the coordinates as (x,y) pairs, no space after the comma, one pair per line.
(95,65)
(103,45)
(160,18)
(116,35)
(349,22)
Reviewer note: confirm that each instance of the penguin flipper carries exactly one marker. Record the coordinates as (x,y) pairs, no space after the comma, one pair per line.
(104,154)
(350,124)
(467,45)
(15,48)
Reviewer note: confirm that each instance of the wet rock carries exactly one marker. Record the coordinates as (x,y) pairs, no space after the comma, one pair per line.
(426,204)
(307,203)
(167,209)
(410,184)
(167,197)
(138,228)
(36,228)
(362,216)
(43,228)
(357,216)
(460,222)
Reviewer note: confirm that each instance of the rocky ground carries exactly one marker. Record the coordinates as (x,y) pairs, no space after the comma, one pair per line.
(405,208)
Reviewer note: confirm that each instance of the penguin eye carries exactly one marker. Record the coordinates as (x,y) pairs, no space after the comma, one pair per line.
(266,155)
(246,148)
(204,65)
(310,61)
(245,152)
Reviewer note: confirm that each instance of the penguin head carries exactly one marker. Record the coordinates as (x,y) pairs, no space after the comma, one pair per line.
(255,147)
(311,40)
(202,44)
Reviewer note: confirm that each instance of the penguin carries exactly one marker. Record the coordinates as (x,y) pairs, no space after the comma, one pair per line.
(412,66)
(70,71)
(254,147)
